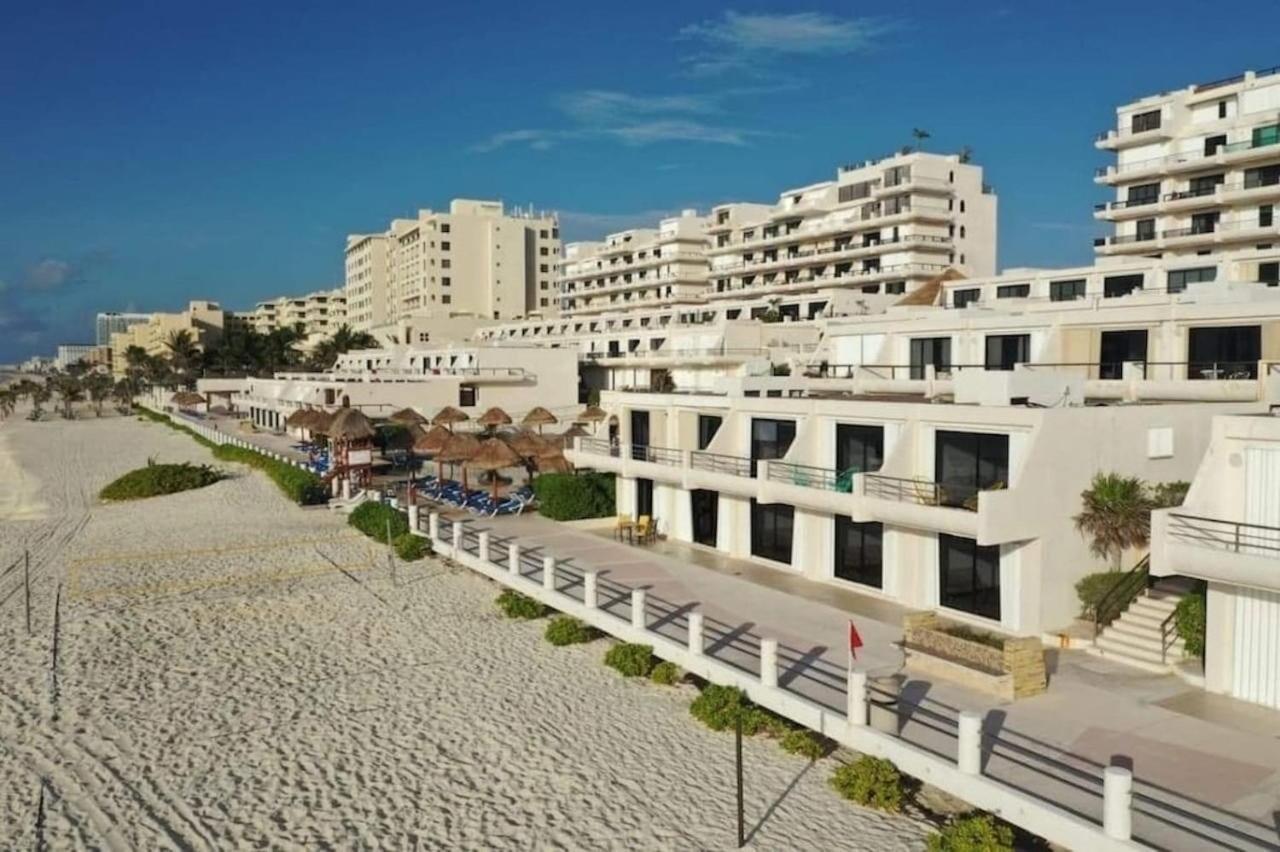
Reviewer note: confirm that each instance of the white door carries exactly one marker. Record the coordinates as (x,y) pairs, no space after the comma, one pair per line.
(1256,664)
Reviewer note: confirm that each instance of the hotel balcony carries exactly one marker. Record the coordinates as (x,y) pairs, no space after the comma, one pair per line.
(1111,140)
(1233,154)
(914,210)
(849,251)
(851,278)
(1221,195)
(709,357)
(994,515)
(1215,549)
(1219,234)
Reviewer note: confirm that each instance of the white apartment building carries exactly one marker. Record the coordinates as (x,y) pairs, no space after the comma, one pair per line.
(72,353)
(1197,170)
(879,227)
(477,259)
(113,322)
(318,314)
(641,266)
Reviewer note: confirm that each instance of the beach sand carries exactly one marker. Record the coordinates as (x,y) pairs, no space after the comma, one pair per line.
(237,672)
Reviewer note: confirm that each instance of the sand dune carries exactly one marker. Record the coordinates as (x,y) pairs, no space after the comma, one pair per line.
(237,672)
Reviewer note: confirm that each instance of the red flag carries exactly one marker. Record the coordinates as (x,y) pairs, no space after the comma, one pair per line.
(855,642)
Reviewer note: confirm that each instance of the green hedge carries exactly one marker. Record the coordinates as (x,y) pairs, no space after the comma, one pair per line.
(872,782)
(567,630)
(666,673)
(1189,620)
(373,519)
(1092,588)
(574,496)
(410,547)
(299,485)
(719,708)
(632,660)
(156,479)
(515,605)
(973,833)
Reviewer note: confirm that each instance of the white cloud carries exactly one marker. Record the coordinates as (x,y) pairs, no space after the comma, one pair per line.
(49,274)
(735,40)
(597,105)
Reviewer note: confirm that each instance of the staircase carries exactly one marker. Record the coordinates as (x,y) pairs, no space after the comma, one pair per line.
(1135,639)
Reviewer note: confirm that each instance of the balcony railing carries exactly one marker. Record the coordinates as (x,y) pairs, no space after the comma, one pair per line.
(656,455)
(1221,534)
(599,447)
(808,476)
(924,492)
(717,463)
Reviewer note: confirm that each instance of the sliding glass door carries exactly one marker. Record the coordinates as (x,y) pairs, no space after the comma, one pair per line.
(1119,347)
(969,576)
(968,462)
(859,552)
(771,531)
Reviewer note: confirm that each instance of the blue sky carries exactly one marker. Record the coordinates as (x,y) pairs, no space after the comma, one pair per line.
(154,153)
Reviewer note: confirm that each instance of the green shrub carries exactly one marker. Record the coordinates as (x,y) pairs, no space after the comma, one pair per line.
(968,634)
(516,605)
(574,496)
(567,630)
(375,519)
(1092,588)
(299,485)
(719,707)
(805,743)
(631,660)
(410,547)
(666,673)
(872,782)
(1166,495)
(973,833)
(1188,619)
(156,479)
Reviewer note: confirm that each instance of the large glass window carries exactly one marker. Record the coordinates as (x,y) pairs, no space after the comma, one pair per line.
(708,425)
(639,432)
(1261,176)
(969,576)
(1223,352)
(1144,121)
(1180,278)
(1119,347)
(1066,291)
(859,552)
(968,462)
(1013,291)
(1120,285)
(934,351)
(1006,350)
(771,531)
(859,449)
(1145,193)
(704,506)
(770,439)
(964,298)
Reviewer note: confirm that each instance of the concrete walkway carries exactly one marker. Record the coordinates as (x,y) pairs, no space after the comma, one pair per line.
(1201,779)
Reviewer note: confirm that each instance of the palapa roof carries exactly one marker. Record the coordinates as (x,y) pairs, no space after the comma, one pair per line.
(493,454)
(297,418)
(407,416)
(459,448)
(592,414)
(319,420)
(494,417)
(538,416)
(432,441)
(350,424)
(187,398)
(524,443)
(928,292)
(449,415)
(575,431)
(554,464)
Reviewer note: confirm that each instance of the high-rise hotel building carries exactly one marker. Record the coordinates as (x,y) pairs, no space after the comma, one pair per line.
(1197,170)
(476,259)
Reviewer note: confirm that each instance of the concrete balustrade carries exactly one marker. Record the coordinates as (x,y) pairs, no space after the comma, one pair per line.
(457,538)
(433,526)
(335,487)
(413,517)
(1117,802)
(637,609)
(969,743)
(482,549)
(590,589)
(857,698)
(549,573)
(513,559)
(769,662)
(695,633)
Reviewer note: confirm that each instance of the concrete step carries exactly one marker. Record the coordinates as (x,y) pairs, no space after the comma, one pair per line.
(1151,619)
(1154,606)
(1113,645)
(1139,629)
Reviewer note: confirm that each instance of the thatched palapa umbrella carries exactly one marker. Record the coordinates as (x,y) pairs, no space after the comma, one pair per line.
(575,431)
(524,443)
(592,414)
(319,421)
(350,424)
(449,416)
(459,448)
(297,418)
(539,416)
(185,399)
(493,418)
(407,417)
(493,455)
(431,443)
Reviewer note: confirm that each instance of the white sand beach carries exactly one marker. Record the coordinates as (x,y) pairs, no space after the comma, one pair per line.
(237,672)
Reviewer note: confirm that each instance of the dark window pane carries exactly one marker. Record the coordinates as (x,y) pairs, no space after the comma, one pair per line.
(858,552)
(969,576)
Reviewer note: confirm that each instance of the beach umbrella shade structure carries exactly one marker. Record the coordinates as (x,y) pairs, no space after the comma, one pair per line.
(297,418)
(320,420)
(431,442)
(524,443)
(350,424)
(574,431)
(459,449)
(493,418)
(493,455)
(407,417)
(539,416)
(554,464)
(448,416)
(186,399)
(592,414)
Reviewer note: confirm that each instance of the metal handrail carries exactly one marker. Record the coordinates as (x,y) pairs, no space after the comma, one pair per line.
(1120,595)
(598,446)
(809,476)
(718,463)
(925,492)
(1166,628)
(1223,534)
(656,455)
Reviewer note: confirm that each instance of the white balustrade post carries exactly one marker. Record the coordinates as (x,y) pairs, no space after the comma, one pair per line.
(769,662)
(857,698)
(969,743)
(413,517)
(695,633)
(637,609)
(483,546)
(433,526)
(589,589)
(513,558)
(1117,802)
(346,488)
(457,538)
(549,573)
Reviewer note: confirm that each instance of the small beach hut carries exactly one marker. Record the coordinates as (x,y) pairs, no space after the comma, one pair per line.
(352,433)
(186,399)
(539,416)
(493,455)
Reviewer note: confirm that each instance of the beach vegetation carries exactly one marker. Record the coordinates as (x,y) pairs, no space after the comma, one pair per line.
(720,707)
(666,673)
(157,479)
(515,605)
(298,484)
(575,496)
(567,630)
(872,782)
(976,832)
(806,743)
(410,547)
(1189,620)
(631,659)
(1116,515)
(379,522)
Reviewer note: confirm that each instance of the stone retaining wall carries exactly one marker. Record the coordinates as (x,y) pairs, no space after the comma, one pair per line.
(1021,659)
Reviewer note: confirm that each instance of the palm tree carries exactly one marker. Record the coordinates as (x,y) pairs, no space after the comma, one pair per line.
(1116,516)
(123,392)
(8,401)
(344,340)
(184,354)
(39,395)
(69,390)
(98,386)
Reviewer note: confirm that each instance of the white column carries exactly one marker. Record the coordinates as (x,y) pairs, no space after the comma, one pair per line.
(484,543)
(637,608)
(457,538)
(857,698)
(433,526)
(513,558)
(769,662)
(589,590)
(1117,802)
(336,486)
(346,488)
(969,744)
(413,517)
(549,573)
(695,633)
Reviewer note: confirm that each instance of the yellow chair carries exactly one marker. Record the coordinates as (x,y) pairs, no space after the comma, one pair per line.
(624,524)
(645,529)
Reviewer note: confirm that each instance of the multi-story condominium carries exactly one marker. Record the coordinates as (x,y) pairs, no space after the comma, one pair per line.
(642,266)
(111,322)
(89,353)
(1197,170)
(884,226)
(318,314)
(476,259)
(204,321)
